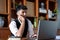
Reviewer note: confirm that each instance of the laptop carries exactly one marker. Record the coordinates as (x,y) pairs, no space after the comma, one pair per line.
(47,29)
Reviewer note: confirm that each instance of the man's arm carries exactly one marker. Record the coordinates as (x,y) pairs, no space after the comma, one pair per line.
(21,29)
(30,29)
(13,28)
(22,26)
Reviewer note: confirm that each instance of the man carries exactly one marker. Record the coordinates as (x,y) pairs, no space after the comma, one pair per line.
(21,26)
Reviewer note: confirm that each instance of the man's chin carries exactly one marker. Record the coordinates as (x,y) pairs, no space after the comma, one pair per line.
(24,16)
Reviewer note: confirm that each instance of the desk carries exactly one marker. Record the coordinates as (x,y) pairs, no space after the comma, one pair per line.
(24,39)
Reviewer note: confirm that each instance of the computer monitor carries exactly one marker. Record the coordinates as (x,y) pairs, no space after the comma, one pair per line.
(47,29)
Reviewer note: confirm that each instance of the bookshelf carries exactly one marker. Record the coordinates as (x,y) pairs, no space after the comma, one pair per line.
(5,14)
(46,8)
(52,7)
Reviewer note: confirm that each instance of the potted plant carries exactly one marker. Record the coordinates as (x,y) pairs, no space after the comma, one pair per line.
(34,22)
(55,11)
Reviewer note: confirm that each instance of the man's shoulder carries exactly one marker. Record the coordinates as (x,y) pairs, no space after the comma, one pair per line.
(28,20)
(13,21)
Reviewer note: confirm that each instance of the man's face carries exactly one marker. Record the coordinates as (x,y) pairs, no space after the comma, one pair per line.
(22,13)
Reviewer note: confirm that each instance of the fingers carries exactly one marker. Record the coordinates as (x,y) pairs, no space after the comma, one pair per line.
(21,18)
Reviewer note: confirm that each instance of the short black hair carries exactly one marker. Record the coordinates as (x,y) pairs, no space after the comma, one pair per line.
(19,7)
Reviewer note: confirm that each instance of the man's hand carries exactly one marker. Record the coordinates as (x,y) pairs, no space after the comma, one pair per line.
(35,35)
(21,18)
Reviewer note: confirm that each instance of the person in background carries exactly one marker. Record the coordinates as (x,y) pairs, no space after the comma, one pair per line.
(21,26)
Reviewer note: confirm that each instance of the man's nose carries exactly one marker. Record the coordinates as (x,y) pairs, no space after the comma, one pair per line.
(24,13)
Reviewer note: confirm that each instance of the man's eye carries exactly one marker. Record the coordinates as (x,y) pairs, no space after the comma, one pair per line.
(22,12)
(25,11)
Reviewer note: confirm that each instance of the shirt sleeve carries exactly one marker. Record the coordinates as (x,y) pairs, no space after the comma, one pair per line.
(30,28)
(13,28)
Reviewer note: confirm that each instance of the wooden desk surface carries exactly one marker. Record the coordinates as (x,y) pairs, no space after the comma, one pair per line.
(24,38)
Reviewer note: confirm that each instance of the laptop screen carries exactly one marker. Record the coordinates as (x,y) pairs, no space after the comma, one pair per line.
(47,29)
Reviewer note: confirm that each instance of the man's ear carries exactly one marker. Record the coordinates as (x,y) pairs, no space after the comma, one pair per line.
(17,13)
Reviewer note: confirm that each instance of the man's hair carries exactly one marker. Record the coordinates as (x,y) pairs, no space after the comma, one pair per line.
(19,7)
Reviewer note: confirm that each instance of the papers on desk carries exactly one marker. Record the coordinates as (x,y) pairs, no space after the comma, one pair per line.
(14,38)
